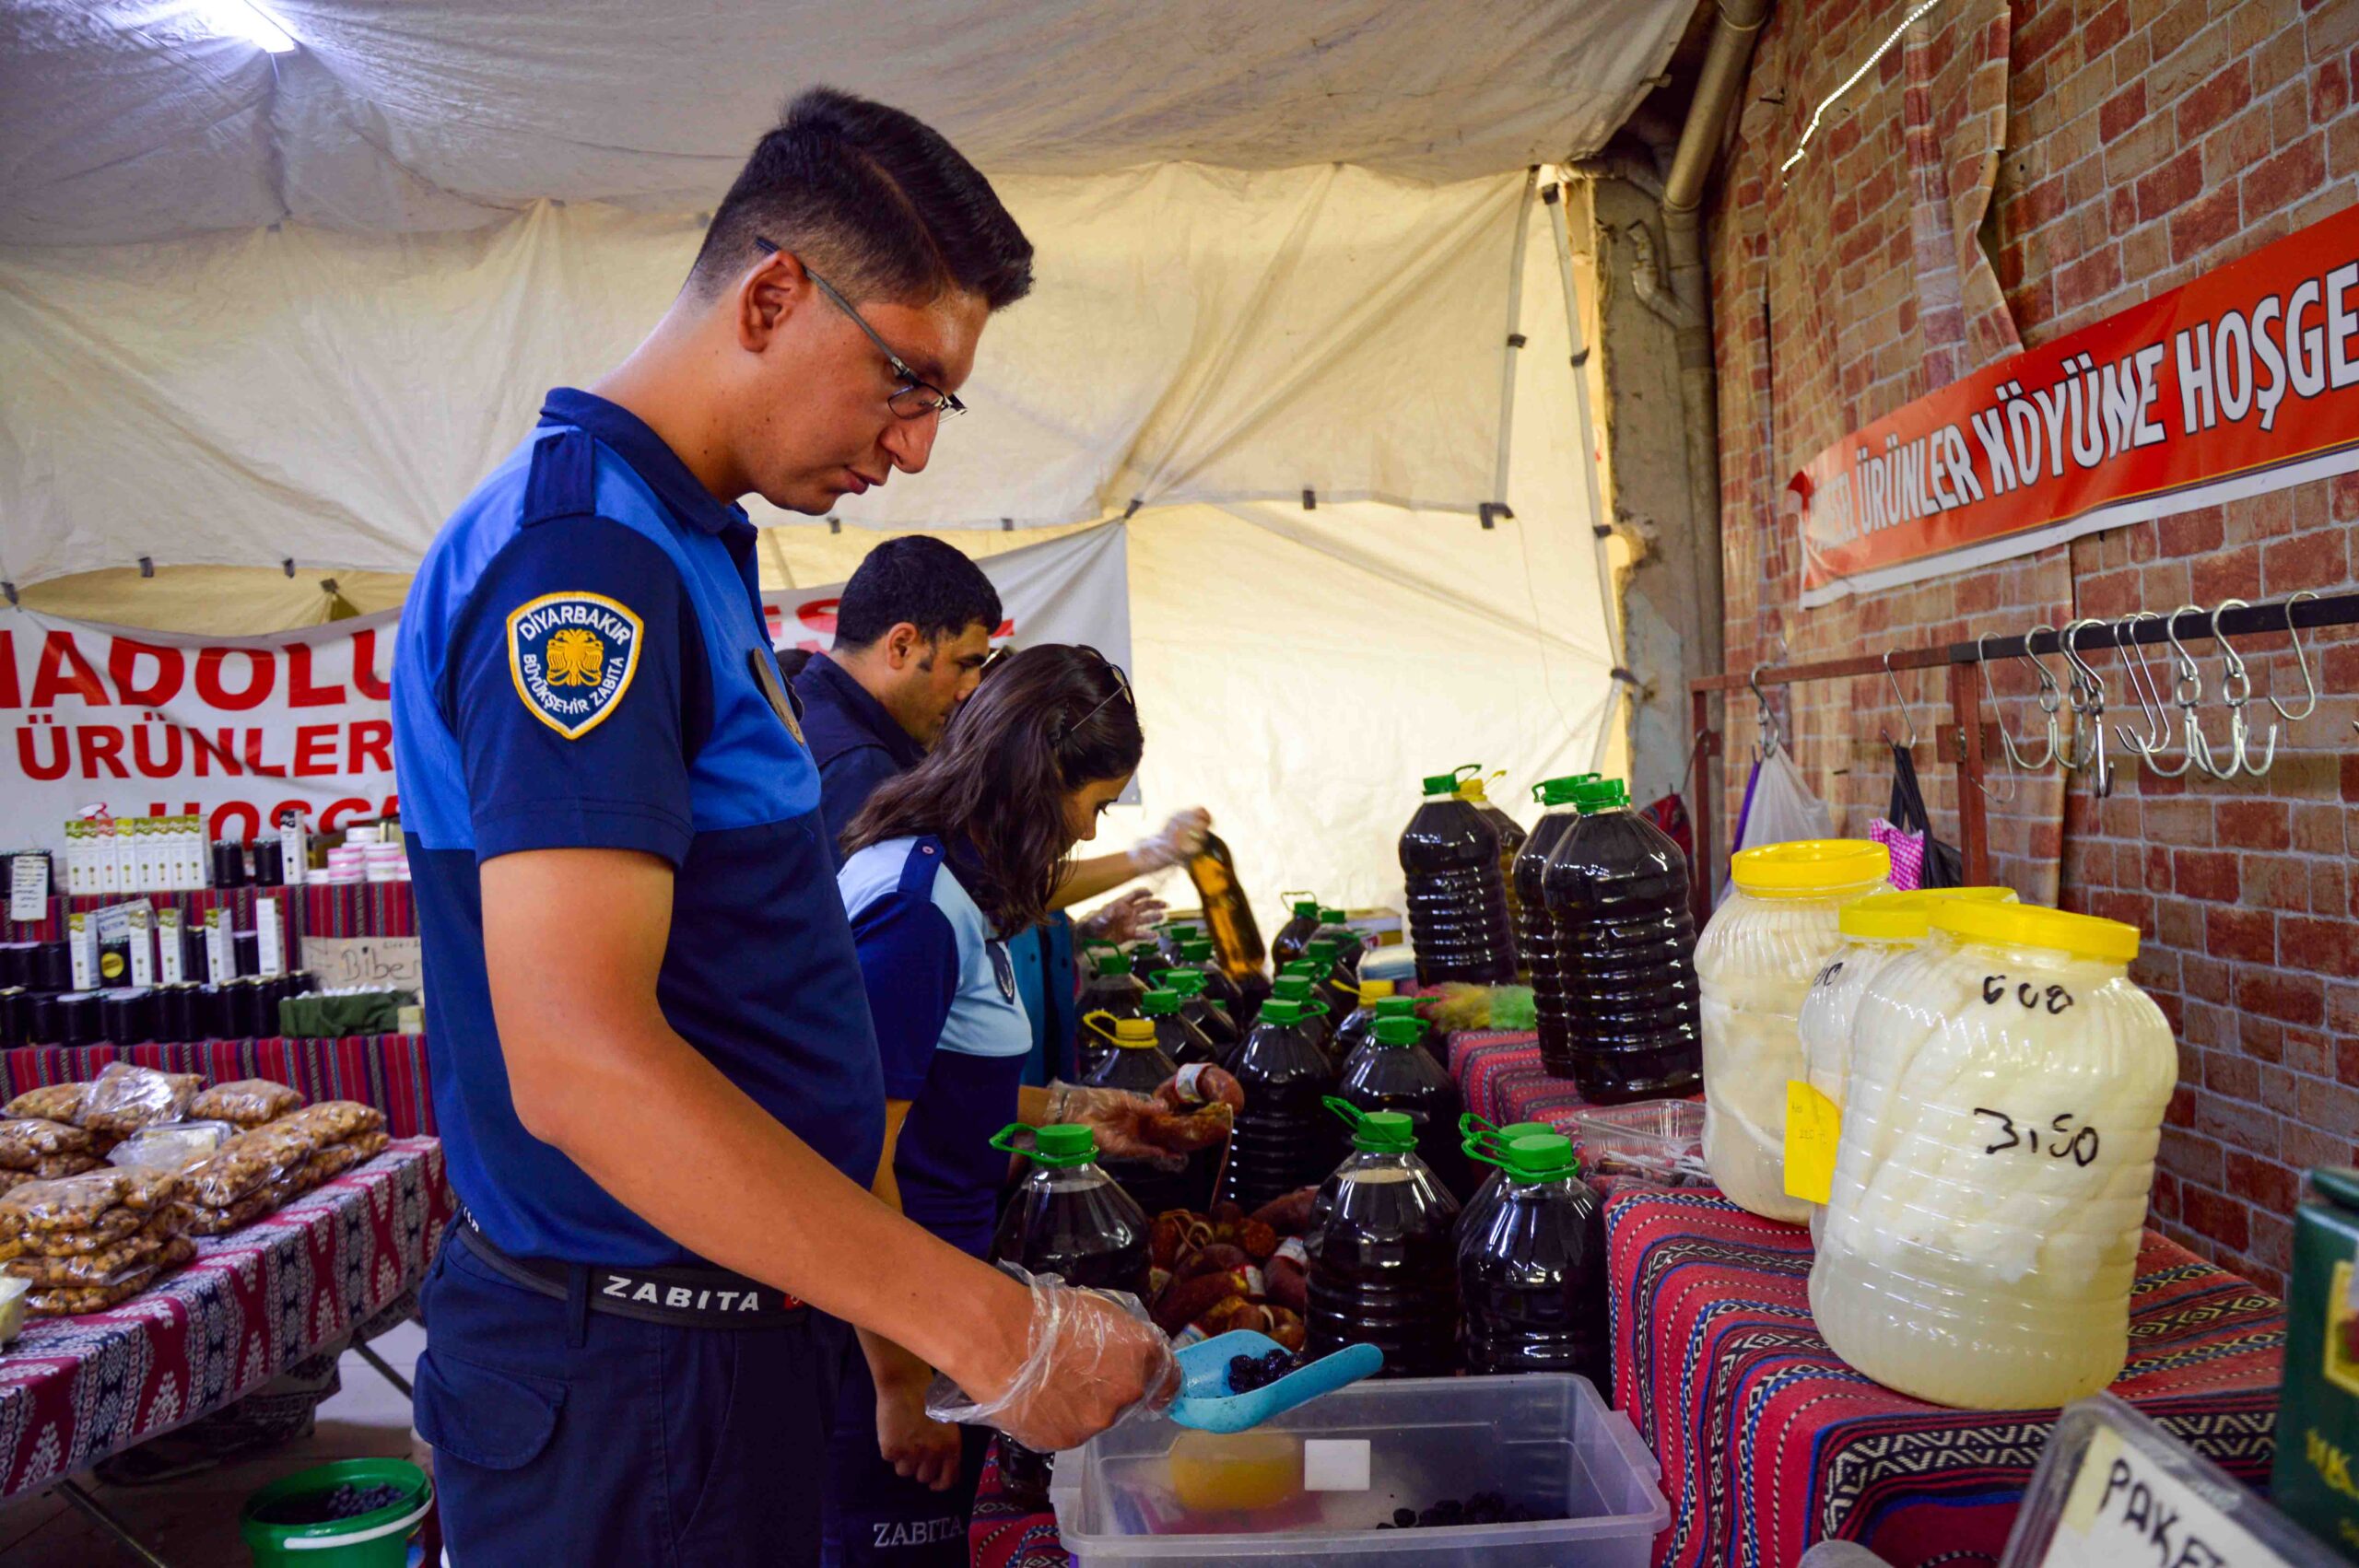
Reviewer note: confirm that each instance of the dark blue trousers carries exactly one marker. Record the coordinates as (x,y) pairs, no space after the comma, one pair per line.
(565,1436)
(879,1519)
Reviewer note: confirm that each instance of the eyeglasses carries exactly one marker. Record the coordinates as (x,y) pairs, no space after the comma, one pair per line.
(917,397)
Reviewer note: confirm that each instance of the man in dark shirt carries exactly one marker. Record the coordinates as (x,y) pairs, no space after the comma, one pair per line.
(913,630)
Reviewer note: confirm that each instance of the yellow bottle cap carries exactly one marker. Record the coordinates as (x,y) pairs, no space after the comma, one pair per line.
(1375,990)
(1810,867)
(1905,917)
(2028,925)
(1134,1032)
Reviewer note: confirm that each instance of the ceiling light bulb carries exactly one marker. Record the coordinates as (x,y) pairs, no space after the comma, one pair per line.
(243,18)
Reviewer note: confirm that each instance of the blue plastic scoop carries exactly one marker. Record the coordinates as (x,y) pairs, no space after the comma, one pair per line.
(1207,1403)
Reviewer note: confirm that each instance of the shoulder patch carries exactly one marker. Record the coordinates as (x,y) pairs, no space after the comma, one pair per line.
(1002,968)
(573,656)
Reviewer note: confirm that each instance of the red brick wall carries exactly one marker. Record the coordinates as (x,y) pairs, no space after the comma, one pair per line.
(2075,156)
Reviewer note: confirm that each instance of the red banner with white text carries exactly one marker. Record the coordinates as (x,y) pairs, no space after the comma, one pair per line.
(235,730)
(160,724)
(2243,381)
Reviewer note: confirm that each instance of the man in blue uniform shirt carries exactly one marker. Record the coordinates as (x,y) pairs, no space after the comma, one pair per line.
(913,630)
(654,1066)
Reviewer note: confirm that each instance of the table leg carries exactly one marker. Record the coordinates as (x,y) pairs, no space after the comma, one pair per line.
(384,1368)
(89,1505)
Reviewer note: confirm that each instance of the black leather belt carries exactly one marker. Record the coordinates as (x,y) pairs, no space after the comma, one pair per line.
(692,1296)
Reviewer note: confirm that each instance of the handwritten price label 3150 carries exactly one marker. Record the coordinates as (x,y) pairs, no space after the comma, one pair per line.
(2078,1145)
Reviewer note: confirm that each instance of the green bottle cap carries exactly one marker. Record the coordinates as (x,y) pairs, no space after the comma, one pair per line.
(1323,951)
(1159,1003)
(1281,1009)
(1181,930)
(1561,791)
(1187,982)
(1400,1030)
(1396,1007)
(1539,1156)
(1113,961)
(1197,951)
(1375,1132)
(1306,909)
(1058,1147)
(1291,988)
(1437,784)
(1602,795)
(1333,917)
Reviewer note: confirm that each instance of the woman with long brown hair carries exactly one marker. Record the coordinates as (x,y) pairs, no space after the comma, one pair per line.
(943,865)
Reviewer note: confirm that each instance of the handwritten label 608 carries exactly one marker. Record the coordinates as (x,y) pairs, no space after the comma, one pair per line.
(2033,997)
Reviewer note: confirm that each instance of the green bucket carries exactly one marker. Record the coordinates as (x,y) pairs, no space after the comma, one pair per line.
(376,1540)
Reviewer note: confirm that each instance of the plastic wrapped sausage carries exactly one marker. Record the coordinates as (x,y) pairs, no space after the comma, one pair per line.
(124,1098)
(247,1102)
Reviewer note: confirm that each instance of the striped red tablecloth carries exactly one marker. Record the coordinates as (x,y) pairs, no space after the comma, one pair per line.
(1769,1442)
(384,1071)
(74,1390)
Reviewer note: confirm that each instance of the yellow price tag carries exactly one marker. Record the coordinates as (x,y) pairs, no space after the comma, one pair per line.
(1813,1127)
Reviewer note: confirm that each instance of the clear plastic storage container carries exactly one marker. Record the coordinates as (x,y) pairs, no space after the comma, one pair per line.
(2006,1097)
(1755,962)
(1876,930)
(1542,1440)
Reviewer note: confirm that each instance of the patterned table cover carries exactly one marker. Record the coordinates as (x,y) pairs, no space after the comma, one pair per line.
(384,1071)
(1768,1442)
(74,1390)
(1498,1073)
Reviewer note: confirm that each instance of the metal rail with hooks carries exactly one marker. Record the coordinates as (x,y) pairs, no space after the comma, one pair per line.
(1964,738)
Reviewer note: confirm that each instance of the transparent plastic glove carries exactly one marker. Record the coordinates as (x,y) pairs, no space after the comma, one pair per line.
(1174,842)
(1093,1361)
(1125,920)
(1121,1120)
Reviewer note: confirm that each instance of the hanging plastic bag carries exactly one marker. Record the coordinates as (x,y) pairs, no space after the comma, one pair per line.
(1943,865)
(1908,854)
(1778,809)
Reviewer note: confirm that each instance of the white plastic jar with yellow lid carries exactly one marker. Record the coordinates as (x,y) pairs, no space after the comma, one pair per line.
(2004,1103)
(1754,964)
(1876,930)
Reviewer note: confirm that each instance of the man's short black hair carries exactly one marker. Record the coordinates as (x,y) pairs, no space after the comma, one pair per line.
(916,580)
(874,201)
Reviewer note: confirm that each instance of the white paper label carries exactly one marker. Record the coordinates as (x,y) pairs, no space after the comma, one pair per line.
(82,937)
(294,848)
(270,949)
(2124,1508)
(1334,1464)
(167,942)
(220,962)
(366,963)
(143,944)
(28,887)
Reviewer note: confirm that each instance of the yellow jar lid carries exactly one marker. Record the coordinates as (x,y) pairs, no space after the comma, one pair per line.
(1375,990)
(1810,866)
(2028,925)
(1905,917)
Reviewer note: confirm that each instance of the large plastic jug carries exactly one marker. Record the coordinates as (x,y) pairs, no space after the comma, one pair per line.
(1381,1270)
(1457,894)
(1630,1024)
(1388,1072)
(1283,1139)
(1535,930)
(1068,1218)
(2006,1097)
(1756,960)
(1512,838)
(1532,1274)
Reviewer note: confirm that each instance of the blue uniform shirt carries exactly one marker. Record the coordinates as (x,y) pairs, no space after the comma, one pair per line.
(857,745)
(583,664)
(951,1031)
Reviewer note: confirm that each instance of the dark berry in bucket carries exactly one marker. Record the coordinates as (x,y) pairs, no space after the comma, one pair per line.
(1483,1508)
(346,1502)
(1248,1373)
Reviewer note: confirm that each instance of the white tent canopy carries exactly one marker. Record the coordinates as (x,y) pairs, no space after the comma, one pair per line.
(132,119)
(487,200)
